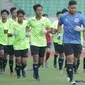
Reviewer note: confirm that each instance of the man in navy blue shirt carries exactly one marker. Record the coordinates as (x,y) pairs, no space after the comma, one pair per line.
(72,21)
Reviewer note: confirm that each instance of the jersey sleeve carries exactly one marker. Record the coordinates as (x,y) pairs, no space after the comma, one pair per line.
(60,20)
(83,21)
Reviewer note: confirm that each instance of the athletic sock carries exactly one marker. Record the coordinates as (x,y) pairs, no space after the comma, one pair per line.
(23,66)
(65,63)
(84,63)
(18,68)
(55,59)
(70,71)
(11,62)
(75,68)
(35,68)
(4,63)
(60,62)
(78,63)
(1,63)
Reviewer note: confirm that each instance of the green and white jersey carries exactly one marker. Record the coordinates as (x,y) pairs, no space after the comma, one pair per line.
(37,38)
(3,37)
(20,40)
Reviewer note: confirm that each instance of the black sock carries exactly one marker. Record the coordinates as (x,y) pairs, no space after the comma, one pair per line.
(35,68)
(4,63)
(84,63)
(39,63)
(23,66)
(18,68)
(75,68)
(1,63)
(11,62)
(70,71)
(60,62)
(65,63)
(78,63)
(55,59)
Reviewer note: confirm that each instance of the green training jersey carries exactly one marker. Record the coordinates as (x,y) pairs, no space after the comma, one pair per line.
(3,37)
(20,40)
(37,38)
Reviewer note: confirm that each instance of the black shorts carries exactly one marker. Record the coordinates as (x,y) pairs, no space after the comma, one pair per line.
(8,49)
(58,48)
(21,53)
(35,50)
(1,47)
(48,45)
(72,49)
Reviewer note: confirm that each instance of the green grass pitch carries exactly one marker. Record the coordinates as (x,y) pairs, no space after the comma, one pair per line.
(48,76)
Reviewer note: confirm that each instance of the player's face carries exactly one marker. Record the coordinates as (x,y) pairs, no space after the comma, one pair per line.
(4,15)
(39,11)
(72,9)
(58,16)
(14,13)
(20,17)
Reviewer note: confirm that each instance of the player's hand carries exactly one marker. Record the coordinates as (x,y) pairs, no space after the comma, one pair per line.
(59,36)
(28,34)
(43,31)
(78,28)
(10,35)
(5,31)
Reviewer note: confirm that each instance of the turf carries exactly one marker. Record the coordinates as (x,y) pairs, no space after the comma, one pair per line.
(48,76)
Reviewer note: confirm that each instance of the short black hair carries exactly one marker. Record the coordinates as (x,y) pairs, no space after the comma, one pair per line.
(12,9)
(36,6)
(64,10)
(45,15)
(20,11)
(72,2)
(4,10)
(59,12)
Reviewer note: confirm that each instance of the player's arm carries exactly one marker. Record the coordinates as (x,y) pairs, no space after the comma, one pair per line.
(11,30)
(28,29)
(48,25)
(81,28)
(59,27)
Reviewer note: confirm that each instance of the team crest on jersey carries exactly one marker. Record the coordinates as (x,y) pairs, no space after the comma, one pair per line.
(76,20)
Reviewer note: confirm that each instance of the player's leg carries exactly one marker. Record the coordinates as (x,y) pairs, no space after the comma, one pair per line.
(84,64)
(18,64)
(1,57)
(35,54)
(77,52)
(11,59)
(24,61)
(69,53)
(48,51)
(5,57)
(61,56)
(41,55)
(55,56)
(61,61)
(78,63)
(65,63)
